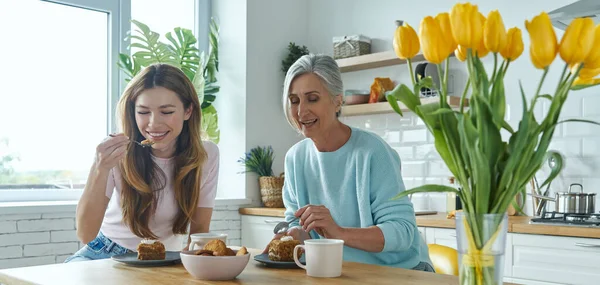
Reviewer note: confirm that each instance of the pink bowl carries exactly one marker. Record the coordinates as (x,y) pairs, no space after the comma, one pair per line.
(214,267)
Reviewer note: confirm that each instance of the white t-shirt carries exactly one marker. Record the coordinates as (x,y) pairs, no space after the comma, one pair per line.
(161,223)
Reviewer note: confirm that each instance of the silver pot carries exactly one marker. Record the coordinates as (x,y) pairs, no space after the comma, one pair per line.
(573,203)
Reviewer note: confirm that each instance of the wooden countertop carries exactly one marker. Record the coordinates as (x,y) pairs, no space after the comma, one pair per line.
(108,271)
(516,224)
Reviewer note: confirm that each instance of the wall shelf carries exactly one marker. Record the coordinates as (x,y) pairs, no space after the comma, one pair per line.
(373,60)
(384,107)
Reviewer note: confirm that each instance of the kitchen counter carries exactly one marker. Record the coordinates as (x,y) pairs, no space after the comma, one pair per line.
(516,224)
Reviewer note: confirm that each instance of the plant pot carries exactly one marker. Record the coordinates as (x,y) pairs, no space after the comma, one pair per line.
(270,191)
(481,240)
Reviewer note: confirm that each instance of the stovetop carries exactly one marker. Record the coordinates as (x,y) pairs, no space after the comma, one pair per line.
(560,219)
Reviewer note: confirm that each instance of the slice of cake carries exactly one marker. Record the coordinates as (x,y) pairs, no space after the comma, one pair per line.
(283,249)
(151,250)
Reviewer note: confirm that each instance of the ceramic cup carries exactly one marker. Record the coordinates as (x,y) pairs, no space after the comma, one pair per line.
(323,257)
(199,240)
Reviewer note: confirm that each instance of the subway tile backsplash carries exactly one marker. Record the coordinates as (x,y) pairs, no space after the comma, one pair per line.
(421,164)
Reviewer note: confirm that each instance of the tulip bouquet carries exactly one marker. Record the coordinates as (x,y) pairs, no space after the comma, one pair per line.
(490,170)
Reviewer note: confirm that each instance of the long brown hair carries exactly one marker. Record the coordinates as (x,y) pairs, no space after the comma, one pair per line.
(142,178)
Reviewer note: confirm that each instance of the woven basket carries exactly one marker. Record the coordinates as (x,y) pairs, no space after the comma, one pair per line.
(270,191)
(349,46)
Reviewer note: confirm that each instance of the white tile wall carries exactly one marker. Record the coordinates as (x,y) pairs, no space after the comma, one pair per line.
(45,238)
(421,164)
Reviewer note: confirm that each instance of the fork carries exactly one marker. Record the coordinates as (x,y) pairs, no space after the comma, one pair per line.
(283,226)
(136,142)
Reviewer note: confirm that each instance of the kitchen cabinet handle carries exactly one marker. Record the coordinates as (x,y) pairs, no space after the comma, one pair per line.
(586,245)
(452,235)
(272,221)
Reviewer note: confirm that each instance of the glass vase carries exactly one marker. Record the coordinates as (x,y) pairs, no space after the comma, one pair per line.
(481,240)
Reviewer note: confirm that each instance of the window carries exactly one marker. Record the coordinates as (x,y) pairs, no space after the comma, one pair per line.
(163,18)
(59,87)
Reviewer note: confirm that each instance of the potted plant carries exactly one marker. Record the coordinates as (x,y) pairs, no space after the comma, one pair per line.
(181,51)
(294,53)
(489,169)
(260,161)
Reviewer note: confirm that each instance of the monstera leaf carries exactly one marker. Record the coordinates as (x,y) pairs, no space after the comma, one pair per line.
(210,124)
(184,47)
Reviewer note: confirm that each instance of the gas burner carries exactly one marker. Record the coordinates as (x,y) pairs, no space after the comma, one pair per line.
(577,218)
(561,219)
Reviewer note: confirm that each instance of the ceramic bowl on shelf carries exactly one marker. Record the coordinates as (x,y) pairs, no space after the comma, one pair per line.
(354,97)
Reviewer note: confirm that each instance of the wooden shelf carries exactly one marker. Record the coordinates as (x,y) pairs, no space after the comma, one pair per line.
(373,60)
(384,107)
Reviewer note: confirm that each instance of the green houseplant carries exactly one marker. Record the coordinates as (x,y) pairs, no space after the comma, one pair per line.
(259,160)
(294,53)
(181,51)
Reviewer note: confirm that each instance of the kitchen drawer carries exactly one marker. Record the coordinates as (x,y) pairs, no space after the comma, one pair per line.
(257,231)
(563,260)
(528,282)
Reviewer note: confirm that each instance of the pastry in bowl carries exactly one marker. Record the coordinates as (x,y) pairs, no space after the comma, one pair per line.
(151,250)
(283,249)
(215,261)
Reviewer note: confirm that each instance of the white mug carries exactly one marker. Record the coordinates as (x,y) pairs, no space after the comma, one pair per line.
(200,239)
(323,257)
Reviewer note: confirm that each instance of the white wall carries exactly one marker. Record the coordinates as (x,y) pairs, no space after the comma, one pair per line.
(420,162)
(231,101)
(272,24)
(254,38)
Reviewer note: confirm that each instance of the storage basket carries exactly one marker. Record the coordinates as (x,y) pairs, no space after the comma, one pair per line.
(349,46)
(270,190)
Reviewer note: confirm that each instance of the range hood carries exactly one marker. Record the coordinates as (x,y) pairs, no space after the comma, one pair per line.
(561,17)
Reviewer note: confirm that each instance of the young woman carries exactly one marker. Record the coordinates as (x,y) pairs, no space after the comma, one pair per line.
(340,180)
(154,192)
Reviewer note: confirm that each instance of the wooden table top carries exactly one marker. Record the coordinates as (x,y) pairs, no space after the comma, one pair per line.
(516,224)
(107,271)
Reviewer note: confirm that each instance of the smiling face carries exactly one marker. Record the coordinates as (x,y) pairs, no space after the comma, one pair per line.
(311,106)
(159,116)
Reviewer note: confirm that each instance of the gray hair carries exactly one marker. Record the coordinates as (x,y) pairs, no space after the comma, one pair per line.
(324,67)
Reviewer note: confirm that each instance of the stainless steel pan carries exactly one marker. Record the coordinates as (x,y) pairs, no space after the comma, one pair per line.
(571,202)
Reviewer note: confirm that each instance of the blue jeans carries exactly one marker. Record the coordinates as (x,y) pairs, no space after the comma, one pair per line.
(424,266)
(99,248)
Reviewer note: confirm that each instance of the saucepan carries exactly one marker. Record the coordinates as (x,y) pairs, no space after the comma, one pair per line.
(572,202)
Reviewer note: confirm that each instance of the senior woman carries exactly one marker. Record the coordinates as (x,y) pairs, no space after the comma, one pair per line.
(340,180)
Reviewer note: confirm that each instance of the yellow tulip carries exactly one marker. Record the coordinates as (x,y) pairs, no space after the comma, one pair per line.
(590,81)
(435,48)
(587,73)
(543,46)
(494,33)
(593,58)
(406,42)
(443,20)
(481,50)
(577,41)
(514,44)
(461,53)
(467,28)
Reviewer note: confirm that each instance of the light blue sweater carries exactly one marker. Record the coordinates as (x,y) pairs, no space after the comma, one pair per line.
(356,183)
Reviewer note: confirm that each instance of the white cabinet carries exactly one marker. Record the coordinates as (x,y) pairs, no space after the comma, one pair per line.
(562,260)
(257,231)
(441,236)
(422,232)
